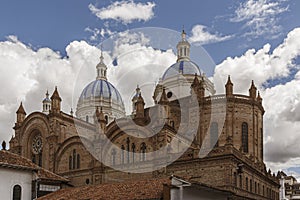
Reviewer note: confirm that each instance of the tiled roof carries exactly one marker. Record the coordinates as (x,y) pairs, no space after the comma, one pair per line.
(11,160)
(151,189)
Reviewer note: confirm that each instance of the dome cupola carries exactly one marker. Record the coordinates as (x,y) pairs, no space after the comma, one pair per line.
(100,93)
(177,79)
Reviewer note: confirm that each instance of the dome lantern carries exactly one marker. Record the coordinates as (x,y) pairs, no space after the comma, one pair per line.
(183,48)
(101,68)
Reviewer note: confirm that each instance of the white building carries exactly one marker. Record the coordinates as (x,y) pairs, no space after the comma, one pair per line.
(20,179)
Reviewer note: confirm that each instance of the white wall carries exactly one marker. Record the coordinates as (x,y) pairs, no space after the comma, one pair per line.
(11,177)
(193,193)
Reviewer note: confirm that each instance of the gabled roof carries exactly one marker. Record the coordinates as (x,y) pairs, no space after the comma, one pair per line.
(151,189)
(14,161)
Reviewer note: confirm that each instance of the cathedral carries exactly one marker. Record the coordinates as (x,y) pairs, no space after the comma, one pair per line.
(194,133)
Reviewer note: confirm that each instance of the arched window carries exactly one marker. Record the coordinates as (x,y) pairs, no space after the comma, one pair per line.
(245,137)
(234,179)
(122,154)
(143,151)
(78,161)
(246,183)
(172,124)
(40,159)
(214,134)
(70,162)
(128,150)
(33,158)
(113,153)
(74,159)
(17,191)
(106,119)
(87,118)
(133,151)
(241,181)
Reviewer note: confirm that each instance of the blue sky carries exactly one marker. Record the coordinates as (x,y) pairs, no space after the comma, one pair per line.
(56,23)
(42,41)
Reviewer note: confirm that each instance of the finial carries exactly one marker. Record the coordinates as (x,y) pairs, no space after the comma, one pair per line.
(229,81)
(183,34)
(71,112)
(47,93)
(101,56)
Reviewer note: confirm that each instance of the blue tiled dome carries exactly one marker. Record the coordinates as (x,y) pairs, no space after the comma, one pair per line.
(101,88)
(182,67)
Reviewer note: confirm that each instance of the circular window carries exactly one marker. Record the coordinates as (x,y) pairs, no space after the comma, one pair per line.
(169,94)
(37,144)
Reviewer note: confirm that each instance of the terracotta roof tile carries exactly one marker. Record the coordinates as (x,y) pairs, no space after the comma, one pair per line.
(11,160)
(137,190)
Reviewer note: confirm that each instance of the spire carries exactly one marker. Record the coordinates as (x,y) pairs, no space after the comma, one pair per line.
(101,67)
(201,88)
(183,48)
(195,83)
(100,120)
(55,95)
(229,87)
(259,99)
(252,90)
(55,101)
(140,107)
(163,97)
(20,114)
(21,109)
(134,99)
(197,87)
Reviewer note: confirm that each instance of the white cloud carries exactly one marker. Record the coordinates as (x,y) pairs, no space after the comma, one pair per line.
(99,33)
(260,17)
(125,11)
(26,74)
(200,35)
(281,102)
(261,65)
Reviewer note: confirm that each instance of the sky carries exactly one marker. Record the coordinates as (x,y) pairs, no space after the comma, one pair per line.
(44,44)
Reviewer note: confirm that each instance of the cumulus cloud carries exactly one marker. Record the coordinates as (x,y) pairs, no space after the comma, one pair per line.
(125,11)
(26,74)
(281,102)
(263,64)
(260,17)
(200,36)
